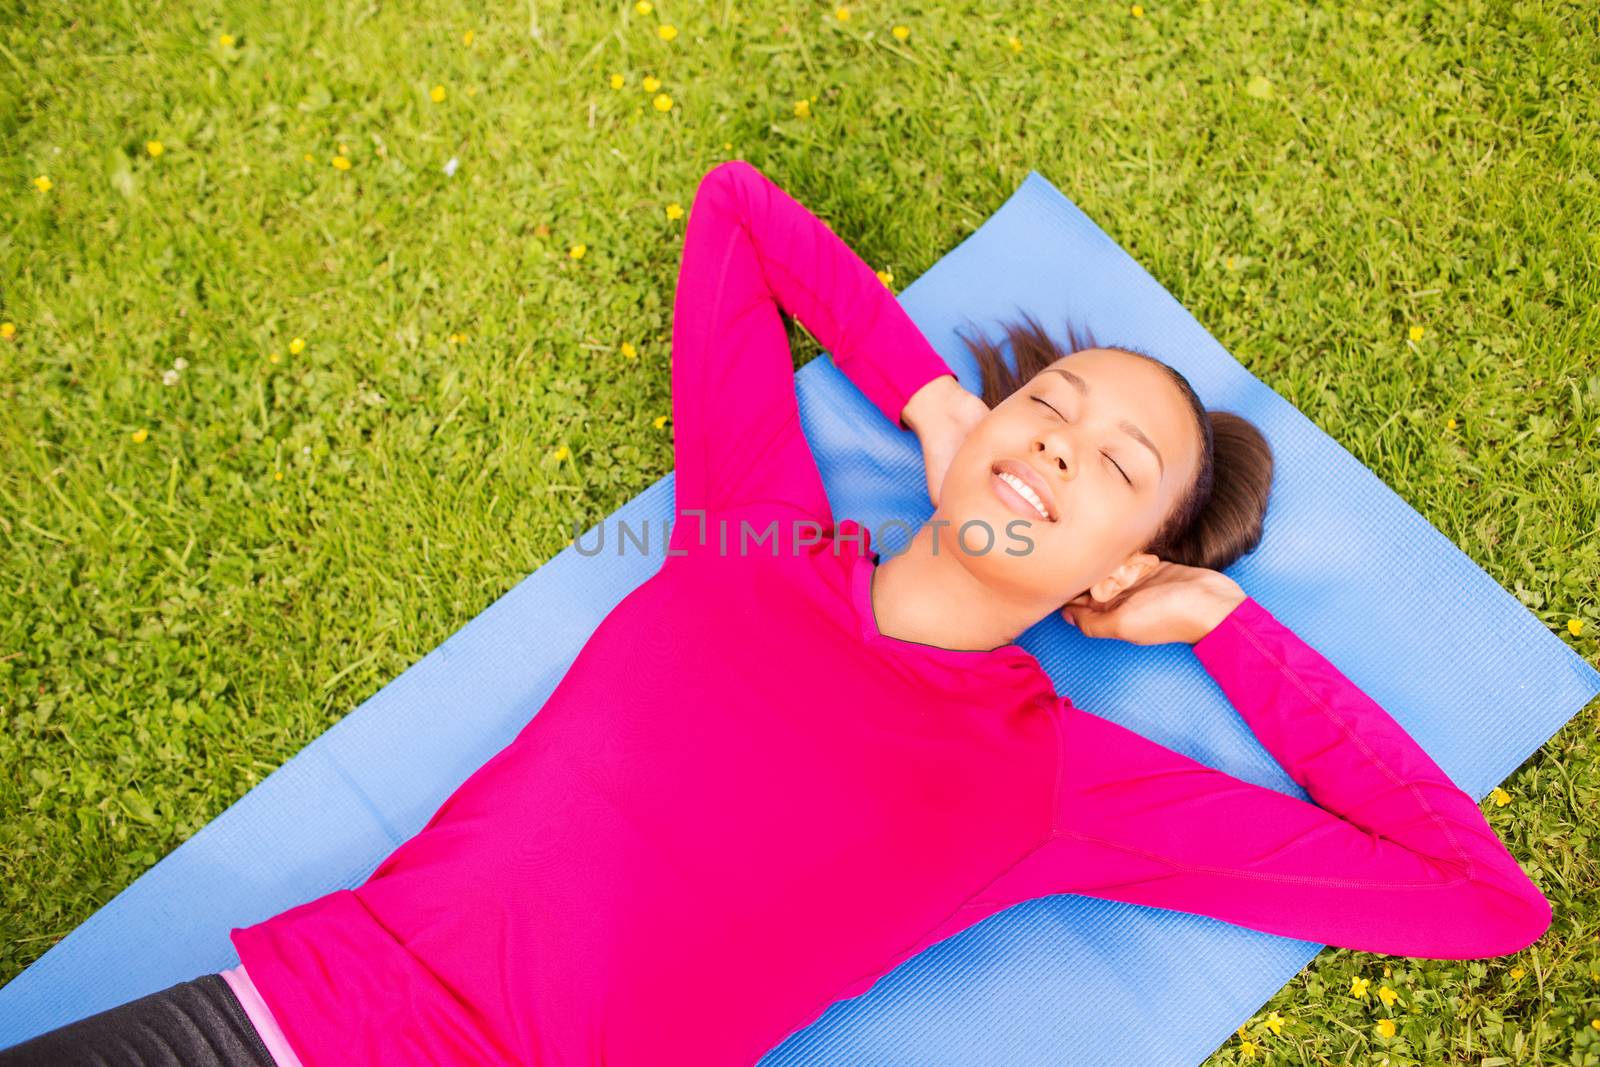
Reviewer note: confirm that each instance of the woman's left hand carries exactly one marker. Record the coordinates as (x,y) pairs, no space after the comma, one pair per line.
(942,413)
(1172,603)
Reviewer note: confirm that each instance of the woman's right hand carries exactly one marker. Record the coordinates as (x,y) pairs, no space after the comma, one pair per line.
(942,413)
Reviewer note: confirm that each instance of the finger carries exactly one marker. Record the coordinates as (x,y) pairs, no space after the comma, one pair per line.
(1082,619)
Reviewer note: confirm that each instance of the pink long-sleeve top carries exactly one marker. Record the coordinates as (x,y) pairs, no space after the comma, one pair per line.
(743,802)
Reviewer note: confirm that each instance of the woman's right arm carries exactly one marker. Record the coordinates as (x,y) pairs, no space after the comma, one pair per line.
(750,251)
(1390,856)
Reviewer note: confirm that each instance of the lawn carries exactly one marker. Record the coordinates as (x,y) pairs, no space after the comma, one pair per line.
(326,324)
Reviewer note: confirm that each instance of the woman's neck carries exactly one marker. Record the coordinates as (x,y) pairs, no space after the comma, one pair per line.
(933,599)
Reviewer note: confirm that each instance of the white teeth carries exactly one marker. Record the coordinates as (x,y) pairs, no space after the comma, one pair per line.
(1026,492)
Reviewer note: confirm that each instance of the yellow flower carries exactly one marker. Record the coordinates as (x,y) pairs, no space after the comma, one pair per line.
(1501,797)
(644,7)
(343,151)
(466,38)
(1273,1022)
(43,183)
(297,346)
(226,40)
(1416,333)
(662,102)
(577,251)
(629,351)
(651,83)
(1247,1049)
(616,81)
(666,33)
(674,210)
(1358,986)
(1517,972)
(1136,11)
(885,276)
(842,14)
(1387,995)
(8,330)
(1595,1023)
(562,453)
(1015,43)
(341,163)
(277,476)
(155,148)
(1230,263)
(139,435)
(437,93)
(1386,970)
(310,158)
(659,421)
(1450,424)
(802,108)
(273,358)
(901,32)
(1386,1027)
(472,90)
(1574,626)
(727,146)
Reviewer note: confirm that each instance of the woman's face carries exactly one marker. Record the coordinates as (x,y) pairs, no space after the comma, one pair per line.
(1107,443)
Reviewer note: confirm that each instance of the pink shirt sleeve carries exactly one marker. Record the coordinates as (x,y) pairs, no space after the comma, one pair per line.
(751,251)
(261,1017)
(1390,857)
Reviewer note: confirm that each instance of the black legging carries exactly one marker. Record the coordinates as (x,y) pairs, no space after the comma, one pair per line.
(199,1023)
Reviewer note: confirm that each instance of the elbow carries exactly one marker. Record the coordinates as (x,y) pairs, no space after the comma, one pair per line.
(730,172)
(1501,917)
(1538,915)
(1511,893)
(1526,931)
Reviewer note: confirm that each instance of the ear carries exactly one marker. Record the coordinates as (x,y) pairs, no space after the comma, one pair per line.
(1135,570)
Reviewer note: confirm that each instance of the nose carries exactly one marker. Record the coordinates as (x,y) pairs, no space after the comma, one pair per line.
(1053,451)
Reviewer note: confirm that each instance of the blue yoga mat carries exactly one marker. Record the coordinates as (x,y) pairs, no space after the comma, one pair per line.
(1057,980)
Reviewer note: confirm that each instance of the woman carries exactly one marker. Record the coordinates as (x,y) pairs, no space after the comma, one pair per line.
(784,764)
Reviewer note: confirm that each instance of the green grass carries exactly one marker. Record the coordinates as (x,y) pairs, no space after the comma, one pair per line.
(175,621)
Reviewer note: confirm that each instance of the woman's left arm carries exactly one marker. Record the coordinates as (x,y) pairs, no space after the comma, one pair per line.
(1389,856)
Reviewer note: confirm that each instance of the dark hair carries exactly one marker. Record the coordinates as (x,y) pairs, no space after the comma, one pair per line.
(1219,519)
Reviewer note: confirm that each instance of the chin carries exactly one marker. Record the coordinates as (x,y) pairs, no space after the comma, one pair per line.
(1000,529)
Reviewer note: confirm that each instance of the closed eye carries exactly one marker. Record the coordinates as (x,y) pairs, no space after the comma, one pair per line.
(1063,418)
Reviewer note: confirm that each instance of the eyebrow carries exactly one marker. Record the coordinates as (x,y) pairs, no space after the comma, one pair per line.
(1125,426)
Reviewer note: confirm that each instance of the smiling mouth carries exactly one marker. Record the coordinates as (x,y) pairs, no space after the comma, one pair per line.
(1018,494)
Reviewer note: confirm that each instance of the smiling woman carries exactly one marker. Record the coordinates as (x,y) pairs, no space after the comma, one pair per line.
(769,777)
(1213,524)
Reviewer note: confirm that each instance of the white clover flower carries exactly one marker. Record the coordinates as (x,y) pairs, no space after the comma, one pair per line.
(450,167)
(169,377)
(180,364)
